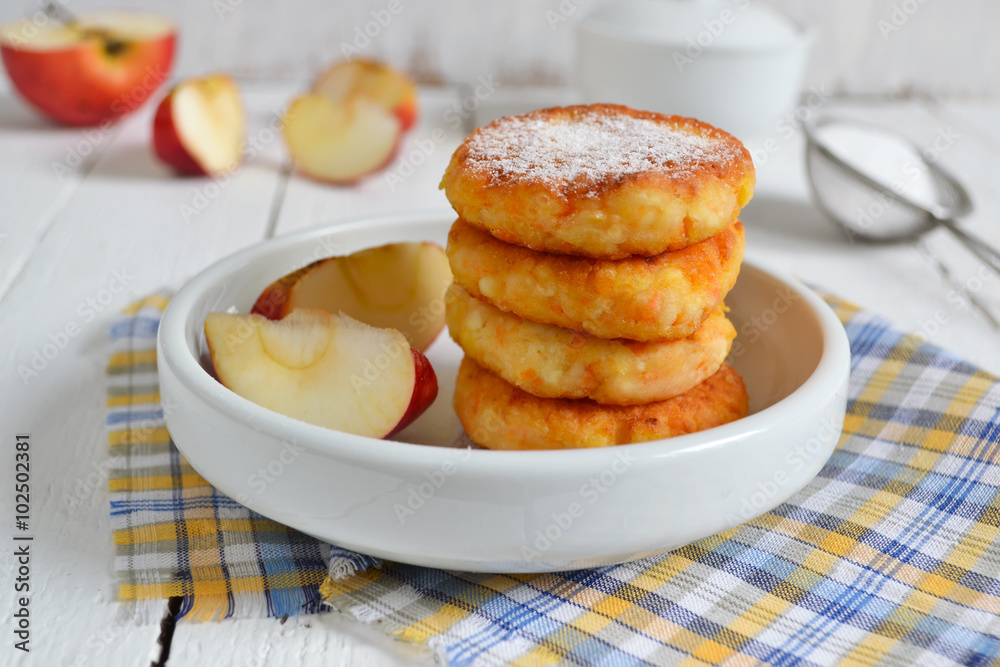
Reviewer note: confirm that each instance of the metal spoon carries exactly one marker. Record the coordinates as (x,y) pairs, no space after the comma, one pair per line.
(880,187)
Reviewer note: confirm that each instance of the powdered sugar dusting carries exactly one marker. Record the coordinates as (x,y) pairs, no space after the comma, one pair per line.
(581,150)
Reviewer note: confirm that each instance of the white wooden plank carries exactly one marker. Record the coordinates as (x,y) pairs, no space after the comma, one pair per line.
(41,165)
(124,218)
(320,640)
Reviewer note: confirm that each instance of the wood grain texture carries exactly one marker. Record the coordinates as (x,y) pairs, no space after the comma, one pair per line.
(940,48)
(42,158)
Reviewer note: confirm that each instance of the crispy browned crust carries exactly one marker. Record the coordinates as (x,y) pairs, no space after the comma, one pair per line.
(668,202)
(552,362)
(641,298)
(498,415)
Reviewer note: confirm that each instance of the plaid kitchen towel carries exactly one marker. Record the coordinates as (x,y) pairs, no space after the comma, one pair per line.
(175,535)
(890,555)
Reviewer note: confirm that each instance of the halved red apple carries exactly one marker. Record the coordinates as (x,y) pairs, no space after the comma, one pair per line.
(94,69)
(328,370)
(400,286)
(200,126)
(393,90)
(340,142)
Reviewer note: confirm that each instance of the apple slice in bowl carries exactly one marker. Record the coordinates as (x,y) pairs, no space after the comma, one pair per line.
(398,285)
(328,370)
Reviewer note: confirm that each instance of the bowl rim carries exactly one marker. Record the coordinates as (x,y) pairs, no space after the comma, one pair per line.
(172,351)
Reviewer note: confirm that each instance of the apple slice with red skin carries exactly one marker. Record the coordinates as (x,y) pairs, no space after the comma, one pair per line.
(328,370)
(393,90)
(92,70)
(340,142)
(399,285)
(200,126)
(425,390)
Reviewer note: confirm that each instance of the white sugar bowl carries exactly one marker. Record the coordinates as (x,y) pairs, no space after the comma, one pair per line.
(730,63)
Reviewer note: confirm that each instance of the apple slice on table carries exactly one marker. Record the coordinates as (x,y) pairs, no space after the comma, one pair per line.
(400,286)
(393,90)
(328,370)
(200,126)
(340,142)
(90,70)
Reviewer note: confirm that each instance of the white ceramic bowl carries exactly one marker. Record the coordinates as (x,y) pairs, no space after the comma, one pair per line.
(735,65)
(480,510)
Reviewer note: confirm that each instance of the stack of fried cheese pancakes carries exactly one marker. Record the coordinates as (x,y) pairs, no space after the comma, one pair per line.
(593,250)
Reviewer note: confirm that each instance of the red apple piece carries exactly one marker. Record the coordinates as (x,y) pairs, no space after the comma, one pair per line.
(328,370)
(92,70)
(396,92)
(340,142)
(200,126)
(399,286)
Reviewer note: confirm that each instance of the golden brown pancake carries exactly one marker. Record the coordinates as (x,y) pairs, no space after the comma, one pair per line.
(639,298)
(602,181)
(552,362)
(498,415)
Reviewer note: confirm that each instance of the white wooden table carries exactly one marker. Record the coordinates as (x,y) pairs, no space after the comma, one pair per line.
(81,213)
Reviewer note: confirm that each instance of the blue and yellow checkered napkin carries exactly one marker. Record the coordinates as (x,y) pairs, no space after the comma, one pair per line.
(890,555)
(175,535)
